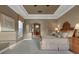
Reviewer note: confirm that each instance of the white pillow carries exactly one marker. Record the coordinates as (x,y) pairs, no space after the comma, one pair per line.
(65,34)
(70,33)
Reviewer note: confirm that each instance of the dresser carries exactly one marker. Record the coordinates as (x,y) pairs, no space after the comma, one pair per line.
(74,47)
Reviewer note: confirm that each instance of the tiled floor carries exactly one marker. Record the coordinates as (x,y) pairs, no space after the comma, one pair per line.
(31,47)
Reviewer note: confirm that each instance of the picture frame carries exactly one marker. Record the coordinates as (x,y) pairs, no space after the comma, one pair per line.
(7,24)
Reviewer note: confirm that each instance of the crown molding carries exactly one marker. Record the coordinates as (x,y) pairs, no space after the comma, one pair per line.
(57,14)
(41,16)
(63,9)
(19,9)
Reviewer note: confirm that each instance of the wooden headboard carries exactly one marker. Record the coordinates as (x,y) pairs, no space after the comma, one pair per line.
(66,27)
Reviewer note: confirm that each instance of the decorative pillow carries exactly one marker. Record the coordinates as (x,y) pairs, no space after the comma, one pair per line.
(65,34)
(70,33)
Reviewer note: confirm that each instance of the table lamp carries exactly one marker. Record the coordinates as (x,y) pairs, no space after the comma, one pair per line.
(76,28)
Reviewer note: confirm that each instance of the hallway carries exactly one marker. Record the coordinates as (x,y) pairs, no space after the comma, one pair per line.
(30,47)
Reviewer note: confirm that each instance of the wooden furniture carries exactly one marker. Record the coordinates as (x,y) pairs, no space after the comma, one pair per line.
(66,27)
(74,47)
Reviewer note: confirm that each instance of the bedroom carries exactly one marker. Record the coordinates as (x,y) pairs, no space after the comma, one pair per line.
(50,27)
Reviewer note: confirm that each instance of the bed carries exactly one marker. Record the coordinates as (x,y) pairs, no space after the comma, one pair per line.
(54,43)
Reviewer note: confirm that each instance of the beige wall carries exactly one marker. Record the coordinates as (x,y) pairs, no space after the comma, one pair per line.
(7,36)
(4,9)
(6,39)
(72,17)
(8,14)
(44,25)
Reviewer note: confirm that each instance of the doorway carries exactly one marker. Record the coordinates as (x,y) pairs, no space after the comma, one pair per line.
(36,29)
(36,34)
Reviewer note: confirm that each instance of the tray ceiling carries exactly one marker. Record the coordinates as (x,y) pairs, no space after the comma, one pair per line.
(41,9)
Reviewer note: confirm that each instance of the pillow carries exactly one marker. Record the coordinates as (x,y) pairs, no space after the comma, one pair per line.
(70,33)
(65,34)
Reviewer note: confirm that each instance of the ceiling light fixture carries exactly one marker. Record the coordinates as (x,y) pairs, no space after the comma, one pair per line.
(47,5)
(35,5)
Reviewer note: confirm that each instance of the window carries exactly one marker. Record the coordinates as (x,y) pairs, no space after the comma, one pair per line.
(20,29)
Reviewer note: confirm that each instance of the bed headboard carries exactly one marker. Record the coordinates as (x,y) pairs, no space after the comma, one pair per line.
(66,27)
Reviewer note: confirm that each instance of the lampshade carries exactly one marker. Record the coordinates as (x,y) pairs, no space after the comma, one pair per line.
(77,26)
(56,29)
(59,26)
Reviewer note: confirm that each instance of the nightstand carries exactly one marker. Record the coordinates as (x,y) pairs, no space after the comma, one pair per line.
(74,47)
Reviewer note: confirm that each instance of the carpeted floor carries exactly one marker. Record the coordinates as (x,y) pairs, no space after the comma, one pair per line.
(31,47)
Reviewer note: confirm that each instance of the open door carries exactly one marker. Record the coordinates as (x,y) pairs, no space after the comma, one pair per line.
(36,29)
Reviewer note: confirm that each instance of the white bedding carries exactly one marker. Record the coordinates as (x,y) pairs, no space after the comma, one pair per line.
(53,43)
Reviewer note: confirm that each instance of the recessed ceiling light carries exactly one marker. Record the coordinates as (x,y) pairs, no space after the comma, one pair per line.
(47,5)
(35,5)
